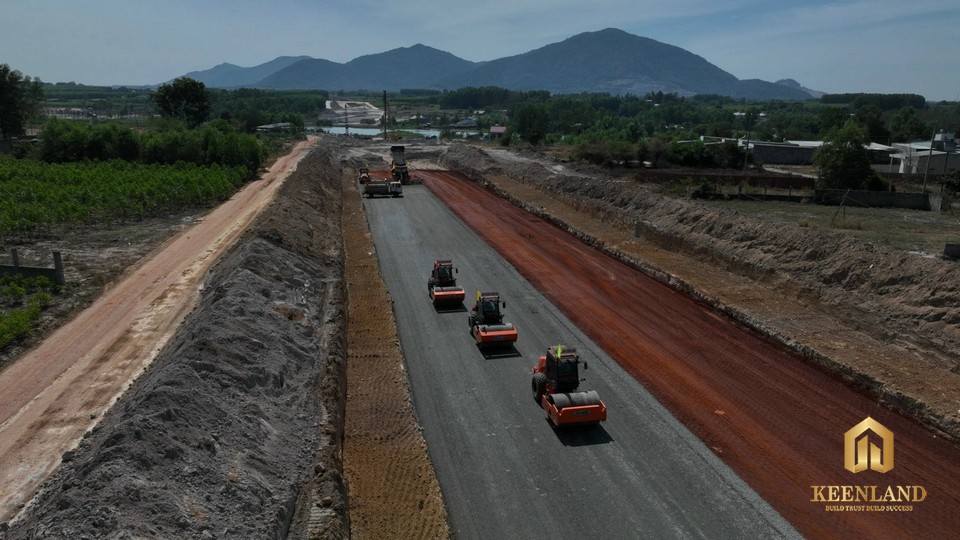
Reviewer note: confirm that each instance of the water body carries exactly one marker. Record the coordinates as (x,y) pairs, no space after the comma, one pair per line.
(375,132)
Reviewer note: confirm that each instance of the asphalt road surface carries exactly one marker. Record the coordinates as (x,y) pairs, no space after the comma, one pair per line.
(504,471)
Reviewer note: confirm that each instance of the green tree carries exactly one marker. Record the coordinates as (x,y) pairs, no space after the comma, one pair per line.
(20,99)
(691,154)
(185,99)
(843,160)
(531,121)
(871,117)
(657,147)
(832,118)
(906,126)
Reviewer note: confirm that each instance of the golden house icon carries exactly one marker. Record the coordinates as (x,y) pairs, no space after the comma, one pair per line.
(859,454)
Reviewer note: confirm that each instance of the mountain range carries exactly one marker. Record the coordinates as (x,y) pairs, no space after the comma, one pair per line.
(610,60)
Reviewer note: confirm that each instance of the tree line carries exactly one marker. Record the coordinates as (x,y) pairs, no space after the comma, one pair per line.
(538,116)
(215,143)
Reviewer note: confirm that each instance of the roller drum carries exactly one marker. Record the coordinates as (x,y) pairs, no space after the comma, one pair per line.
(575,399)
(496,327)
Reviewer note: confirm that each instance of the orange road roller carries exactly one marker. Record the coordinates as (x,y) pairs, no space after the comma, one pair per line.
(486,322)
(556,378)
(442,285)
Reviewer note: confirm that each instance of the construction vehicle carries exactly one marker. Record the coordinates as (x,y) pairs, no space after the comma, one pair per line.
(486,322)
(382,186)
(398,167)
(556,378)
(363,175)
(442,285)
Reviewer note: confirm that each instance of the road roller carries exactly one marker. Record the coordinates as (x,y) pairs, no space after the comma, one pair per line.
(486,322)
(442,285)
(556,378)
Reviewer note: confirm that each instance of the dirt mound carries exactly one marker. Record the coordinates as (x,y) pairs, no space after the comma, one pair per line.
(899,299)
(220,437)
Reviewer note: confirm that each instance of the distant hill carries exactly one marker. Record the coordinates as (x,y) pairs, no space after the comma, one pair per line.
(794,84)
(614,61)
(232,76)
(609,60)
(407,67)
(311,73)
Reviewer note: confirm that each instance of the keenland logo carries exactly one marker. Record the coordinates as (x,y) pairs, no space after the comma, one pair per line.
(868,446)
(856,458)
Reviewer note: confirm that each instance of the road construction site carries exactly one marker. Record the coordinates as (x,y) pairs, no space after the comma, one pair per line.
(502,469)
(718,421)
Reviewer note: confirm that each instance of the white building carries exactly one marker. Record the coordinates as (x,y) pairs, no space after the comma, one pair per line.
(918,157)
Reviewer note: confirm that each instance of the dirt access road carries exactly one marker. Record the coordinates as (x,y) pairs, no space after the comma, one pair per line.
(52,395)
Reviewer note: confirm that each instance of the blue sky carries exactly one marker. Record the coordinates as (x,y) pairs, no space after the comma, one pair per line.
(833,46)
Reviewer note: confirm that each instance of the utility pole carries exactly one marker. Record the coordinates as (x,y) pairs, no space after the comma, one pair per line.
(946,161)
(929,157)
(384,115)
(746,148)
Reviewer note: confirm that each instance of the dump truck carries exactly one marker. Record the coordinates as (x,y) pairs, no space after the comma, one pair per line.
(382,187)
(486,322)
(556,378)
(363,175)
(398,167)
(442,285)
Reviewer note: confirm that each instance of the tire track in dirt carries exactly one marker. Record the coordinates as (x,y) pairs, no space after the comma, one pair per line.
(394,492)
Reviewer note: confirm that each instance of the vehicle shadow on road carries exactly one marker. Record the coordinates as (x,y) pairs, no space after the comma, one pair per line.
(581,435)
(494,354)
(450,309)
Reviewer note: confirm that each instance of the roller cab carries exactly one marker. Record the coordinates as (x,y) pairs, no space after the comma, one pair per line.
(556,378)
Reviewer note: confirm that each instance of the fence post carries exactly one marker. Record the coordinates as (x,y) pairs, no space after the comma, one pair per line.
(58,269)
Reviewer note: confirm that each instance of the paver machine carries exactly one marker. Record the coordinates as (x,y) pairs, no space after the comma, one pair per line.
(486,322)
(556,378)
(442,285)
(398,167)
